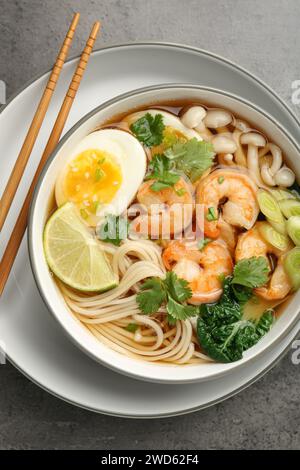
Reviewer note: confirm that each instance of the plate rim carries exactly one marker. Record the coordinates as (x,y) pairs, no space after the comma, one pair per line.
(253,77)
(132,44)
(162,415)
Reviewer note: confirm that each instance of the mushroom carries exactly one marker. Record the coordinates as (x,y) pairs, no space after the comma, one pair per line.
(226,159)
(240,128)
(268,171)
(193,117)
(217,118)
(285,177)
(223,144)
(253,140)
(241,125)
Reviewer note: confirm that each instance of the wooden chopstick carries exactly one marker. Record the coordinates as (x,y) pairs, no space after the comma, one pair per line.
(21,223)
(34,129)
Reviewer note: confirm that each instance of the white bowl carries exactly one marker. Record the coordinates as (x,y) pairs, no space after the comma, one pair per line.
(39,214)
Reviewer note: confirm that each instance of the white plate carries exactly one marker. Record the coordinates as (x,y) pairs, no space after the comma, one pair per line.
(34,342)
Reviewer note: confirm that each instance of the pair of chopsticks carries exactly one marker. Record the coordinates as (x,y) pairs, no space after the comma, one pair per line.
(19,229)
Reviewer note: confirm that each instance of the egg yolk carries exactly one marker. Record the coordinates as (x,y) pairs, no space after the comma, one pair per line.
(93,178)
(170,137)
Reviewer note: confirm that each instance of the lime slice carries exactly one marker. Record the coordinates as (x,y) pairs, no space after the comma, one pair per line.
(73,253)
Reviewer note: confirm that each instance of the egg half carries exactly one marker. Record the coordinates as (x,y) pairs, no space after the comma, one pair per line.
(102,174)
(174,128)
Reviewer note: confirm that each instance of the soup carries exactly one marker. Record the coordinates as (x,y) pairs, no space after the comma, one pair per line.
(175,234)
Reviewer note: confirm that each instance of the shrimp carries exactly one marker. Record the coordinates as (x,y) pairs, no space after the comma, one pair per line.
(236,192)
(202,269)
(251,244)
(228,234)
(169,211)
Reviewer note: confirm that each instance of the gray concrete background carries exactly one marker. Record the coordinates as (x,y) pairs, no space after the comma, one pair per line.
(264,37)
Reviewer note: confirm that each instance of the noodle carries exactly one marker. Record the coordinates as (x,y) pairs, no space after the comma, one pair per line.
(108,314)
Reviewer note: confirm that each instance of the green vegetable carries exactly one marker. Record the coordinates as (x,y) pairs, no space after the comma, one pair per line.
(202,243)
(222,332)
(273,237)
(221,179)
(113,230)
(293,228)
(280,194)
(180,192)
(149,129)
(279,227)
(193,157)
(292,266)
(94,207)
(98,174)
(269,206)
(173,292)
(252,272)
(131,327)
(161,169)
(290,207)
(211,214)
(84,214)
(227,343)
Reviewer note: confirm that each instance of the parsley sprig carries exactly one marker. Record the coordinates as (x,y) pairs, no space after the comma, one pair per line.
(172,292)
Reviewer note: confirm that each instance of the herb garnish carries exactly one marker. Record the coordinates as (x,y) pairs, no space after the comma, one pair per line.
(251,272)
(131,327)
(211,214)
(202,243)
(113,230)
(171,291)
(223,333)
(193,157)
(98,174)
(149,129)
(162,170)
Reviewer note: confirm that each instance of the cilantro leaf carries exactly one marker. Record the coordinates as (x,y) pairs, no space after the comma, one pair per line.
(177,311)
(131,327)
(252,272)
(172,291)
(177,288)
(193,157)
(113,230)
(149,129)
(152,295)
(203,242)
(161,170)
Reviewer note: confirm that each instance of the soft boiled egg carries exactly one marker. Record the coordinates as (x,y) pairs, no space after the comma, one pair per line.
(174,128)
(102,174)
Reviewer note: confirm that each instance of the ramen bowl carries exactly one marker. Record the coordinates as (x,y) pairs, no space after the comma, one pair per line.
(43,200)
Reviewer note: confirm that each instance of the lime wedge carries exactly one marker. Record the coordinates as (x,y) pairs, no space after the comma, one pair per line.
(73,253)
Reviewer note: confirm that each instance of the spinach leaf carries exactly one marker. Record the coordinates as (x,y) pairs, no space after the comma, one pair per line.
(222,332)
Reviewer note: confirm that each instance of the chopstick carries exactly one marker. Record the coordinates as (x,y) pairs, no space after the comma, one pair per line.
(34,129)
(21,223)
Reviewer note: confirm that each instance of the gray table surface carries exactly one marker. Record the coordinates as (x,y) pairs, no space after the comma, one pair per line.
(262,36)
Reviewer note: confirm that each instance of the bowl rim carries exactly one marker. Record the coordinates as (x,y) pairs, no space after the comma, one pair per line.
(69,133)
